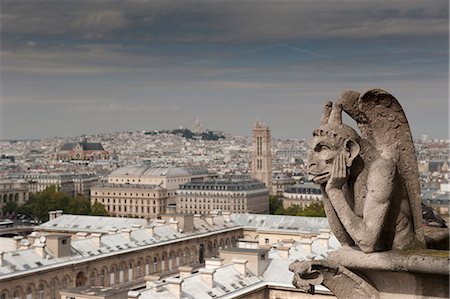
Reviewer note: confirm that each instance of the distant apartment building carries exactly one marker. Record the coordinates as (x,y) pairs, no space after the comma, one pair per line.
(235,196)
(144,191)
(83,150)
(72,183)
(281,181)
(169,178)
(13,191)
(38,182)
(142,201)
(302,195)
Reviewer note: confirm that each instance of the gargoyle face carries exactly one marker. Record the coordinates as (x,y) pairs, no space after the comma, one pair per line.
(321,156)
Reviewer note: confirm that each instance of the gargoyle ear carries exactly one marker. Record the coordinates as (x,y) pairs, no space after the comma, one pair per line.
(352,150)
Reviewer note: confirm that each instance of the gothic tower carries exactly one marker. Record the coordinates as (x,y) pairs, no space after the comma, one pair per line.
(262,155)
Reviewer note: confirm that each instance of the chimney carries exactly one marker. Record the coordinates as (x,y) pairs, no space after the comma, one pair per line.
(136,226)
(174,286)
(81,235)
(208,276)
(112,231)
(97,238)
(213,263)
(209,219)
(58,213)
(160,222)
(240,265)
(17,239)
(283,252)
(33,237)
(39,248)
(226,216)
(174,224)
(288,243)
(151,280)
(126,233)
(185,271)
(306,245)
(150,230)
(324,237)
(133,294)
(51,215)
(24,244)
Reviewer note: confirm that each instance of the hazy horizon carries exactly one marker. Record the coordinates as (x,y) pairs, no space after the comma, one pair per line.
(88,67)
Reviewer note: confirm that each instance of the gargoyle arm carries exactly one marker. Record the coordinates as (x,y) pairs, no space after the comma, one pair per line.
(336,225)
(366,230)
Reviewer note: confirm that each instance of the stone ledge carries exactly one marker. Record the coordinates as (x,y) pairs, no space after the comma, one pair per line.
(426,261)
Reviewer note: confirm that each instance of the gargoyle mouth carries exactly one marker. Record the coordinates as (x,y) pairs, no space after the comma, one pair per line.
(319,178)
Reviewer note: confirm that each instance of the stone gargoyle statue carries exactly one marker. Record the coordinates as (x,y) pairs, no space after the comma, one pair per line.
(369,182)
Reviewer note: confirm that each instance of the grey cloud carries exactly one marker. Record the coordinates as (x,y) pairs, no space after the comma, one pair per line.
(222,21)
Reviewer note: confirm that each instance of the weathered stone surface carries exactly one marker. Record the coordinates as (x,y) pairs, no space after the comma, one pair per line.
(424,261)
(371,194)
(370,181)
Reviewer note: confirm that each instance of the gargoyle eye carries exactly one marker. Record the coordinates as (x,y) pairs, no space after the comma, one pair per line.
(321,147)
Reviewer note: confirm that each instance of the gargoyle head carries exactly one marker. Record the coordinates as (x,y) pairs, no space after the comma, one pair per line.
(329,140)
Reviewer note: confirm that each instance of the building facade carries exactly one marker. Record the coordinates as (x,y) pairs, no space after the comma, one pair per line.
(72,183)
(262,154)
(235,196)
(122,200)
(302,195)
(13,191)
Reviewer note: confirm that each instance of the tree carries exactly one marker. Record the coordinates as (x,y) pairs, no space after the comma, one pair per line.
(10,207)
(79,205)
(274,204)
(98,209)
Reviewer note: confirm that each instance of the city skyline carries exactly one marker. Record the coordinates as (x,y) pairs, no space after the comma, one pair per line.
(87,67)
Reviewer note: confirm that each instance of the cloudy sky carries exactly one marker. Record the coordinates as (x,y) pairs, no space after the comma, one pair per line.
(82,67)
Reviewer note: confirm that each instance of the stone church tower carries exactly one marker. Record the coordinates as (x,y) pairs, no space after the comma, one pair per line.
(262,154)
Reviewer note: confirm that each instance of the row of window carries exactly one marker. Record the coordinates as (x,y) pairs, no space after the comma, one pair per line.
(130,194)
(213,200)
(127,201)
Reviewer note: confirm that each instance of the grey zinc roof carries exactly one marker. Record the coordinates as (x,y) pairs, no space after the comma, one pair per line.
(87,146)
(81,223)
(146,170)
(280,222)
(226,281)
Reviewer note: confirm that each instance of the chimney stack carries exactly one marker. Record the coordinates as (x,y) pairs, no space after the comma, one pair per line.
(81,235)
(306,245)
(97,238)
(133,294)
(185,271)
(150,230)
(17,239)
(151,281)
(213,263)
(174,224)
(226,216)
(112,231)
(283,252)
(126,233)
(174,286)
(324,237)
(208,276)
(39,248)
(240,265)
